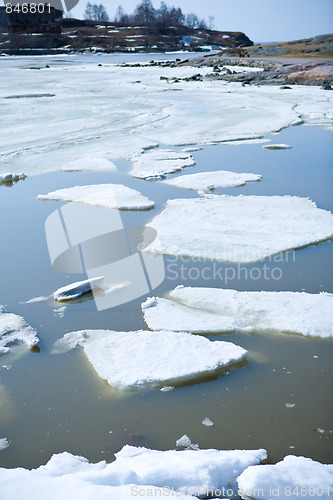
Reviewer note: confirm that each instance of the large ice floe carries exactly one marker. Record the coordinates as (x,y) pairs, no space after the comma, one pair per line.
(157,163)
(206,181)
(204,310)
(15,330)
(74,290)
(294,477)
(102,195)
(238,228)
(135,472)
(139,359)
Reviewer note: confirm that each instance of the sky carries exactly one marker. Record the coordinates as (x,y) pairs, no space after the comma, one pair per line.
(260,20)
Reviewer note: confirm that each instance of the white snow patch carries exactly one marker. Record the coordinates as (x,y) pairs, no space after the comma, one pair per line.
(95,164)
(185,442)
(277,146)
(205,181)
(139,359)
(307,314)
(135,472)
(74,290)
(285,476)
(163,314)
(207,422)
(15,330)
(157,163)
(238,228)
(102,195)
(3,443)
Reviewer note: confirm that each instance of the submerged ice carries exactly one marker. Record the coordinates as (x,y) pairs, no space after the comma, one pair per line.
(238,228)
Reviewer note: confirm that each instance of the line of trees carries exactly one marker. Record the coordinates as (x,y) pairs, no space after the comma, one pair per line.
(146,15)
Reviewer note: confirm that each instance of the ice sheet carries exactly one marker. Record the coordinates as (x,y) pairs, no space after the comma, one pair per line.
(135,472)
(102,195)
(157,163)
(307,314)
(293,476)
(74,290)
(206,181)
(15,330)
(238,228)
(139,359)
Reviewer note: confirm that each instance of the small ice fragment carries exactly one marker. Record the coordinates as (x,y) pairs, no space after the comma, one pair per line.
(36,299)
(7,367)
(277,146)
(207,422)
(185,442)
(3,443)
(15,330)
(76,289)
(289,405)
(8,177)
(321,430)
(316,357)
(167,388)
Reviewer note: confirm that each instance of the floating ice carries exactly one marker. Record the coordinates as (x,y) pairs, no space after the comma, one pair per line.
(15,330)
(292,476)
(286,312)
(205,181)
(238,228)
(185,442)
(157,163)
(207,422)
(244,142)
(135,360)
(102,195)
(8,177)
(277,146)
(89,164)
(135,472)
(74,290)
(164,314)
(3,443)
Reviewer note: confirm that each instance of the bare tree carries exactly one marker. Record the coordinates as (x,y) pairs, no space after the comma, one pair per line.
(96,13)
(192,21)
(211,22)
(145,14)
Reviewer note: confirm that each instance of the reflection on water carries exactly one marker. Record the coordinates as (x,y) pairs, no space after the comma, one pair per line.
(61,404)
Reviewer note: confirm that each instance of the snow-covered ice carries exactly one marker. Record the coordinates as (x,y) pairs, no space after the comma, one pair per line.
(238,228)
(157,163)
(164,314)
(8,177)
(135,472)
(74,290)
(185,442)
(207,422)
(94,164)
(293,476)
(206,181)
(139,359)
(15,330)
(102,195)
(277,146)
(307,314)
(3,443)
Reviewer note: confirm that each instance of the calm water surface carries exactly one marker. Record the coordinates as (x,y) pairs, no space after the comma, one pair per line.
(50,404)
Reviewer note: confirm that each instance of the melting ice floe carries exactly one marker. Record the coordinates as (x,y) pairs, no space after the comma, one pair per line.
(188,471)
(286,312)
(139,359)
(157,163)
(89,164)
(3,443)
(311,479)
(205,181)
(102,195)
(74,290)
(238,228)
(15,330)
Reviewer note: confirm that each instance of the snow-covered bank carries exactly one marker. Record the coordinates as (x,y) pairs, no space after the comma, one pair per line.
(135,472)
(135,360)
(286,312)
(15,330)
(238,228)
(292,477)
(102,195)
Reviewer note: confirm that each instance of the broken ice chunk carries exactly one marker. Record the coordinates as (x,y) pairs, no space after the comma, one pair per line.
(207,422)
(3,443)
(205,181)
(74,290)
(292,474)
(185,442)
(102,195)
(139,359)
(15,330)
(238,228)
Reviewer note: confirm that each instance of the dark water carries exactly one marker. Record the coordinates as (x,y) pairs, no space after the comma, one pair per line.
(50,404)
